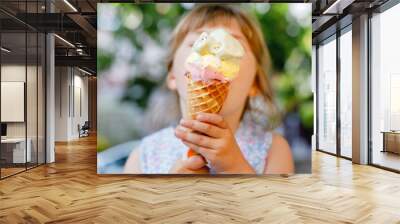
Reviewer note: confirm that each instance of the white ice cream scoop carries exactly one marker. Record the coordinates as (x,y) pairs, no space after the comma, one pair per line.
(201,43)
(224,45)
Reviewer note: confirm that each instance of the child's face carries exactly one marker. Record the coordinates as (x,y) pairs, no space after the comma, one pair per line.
(239,87)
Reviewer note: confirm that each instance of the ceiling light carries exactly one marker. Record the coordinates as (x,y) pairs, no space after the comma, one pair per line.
(79,51)
(338,6)
(84,71)
(64,40)
(5,50)
(70,5)
(326,11)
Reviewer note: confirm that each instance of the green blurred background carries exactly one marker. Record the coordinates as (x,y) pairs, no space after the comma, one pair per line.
(132,45)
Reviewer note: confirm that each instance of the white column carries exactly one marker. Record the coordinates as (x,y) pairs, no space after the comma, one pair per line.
(50,99)
(50,92)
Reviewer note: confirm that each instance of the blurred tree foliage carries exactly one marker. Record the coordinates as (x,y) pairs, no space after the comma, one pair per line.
(288,39)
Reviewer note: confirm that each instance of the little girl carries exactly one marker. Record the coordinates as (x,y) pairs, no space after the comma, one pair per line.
(232,141)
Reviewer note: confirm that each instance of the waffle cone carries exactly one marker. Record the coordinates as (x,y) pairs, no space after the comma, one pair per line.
(207,97)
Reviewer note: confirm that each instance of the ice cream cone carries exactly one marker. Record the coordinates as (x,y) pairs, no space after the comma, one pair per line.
(213,63)
(204,96)
(207,97)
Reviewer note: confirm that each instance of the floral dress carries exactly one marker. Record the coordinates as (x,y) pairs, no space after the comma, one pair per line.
(160,150)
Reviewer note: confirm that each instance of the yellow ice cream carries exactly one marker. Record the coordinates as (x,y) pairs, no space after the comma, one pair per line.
(216,53)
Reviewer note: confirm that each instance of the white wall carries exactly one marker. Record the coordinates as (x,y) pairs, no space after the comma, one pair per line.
(70,83)
(81,94)
(12,73)
(62,81)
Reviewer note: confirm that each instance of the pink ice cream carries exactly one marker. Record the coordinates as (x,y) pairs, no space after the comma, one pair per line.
(215,56)
(199,73)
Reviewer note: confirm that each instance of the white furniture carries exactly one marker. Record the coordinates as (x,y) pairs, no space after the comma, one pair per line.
(18,154)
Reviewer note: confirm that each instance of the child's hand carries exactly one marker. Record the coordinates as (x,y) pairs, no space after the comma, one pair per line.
(214,140)
(192,165)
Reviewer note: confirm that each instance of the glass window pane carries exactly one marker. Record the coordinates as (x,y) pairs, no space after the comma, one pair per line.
(31,97)
(346,94)
(32,86)
(327,96)
(23,87)
(385,84)
(13,87)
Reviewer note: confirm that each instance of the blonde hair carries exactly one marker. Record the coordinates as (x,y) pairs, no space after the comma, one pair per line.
(204,14)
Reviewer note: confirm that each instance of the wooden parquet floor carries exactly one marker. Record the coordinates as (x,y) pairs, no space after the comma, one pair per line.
(70,191)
